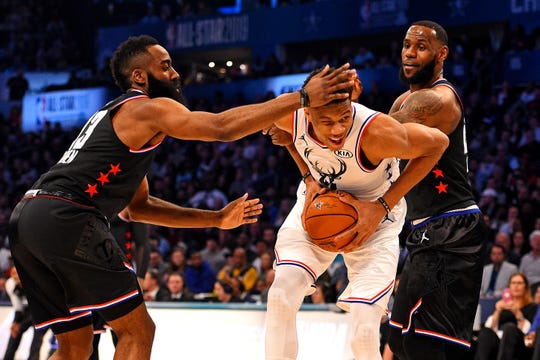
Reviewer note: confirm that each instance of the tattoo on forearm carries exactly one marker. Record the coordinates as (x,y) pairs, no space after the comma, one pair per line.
(420,107)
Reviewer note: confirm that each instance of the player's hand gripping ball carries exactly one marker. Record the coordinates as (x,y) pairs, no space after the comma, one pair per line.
(327,216)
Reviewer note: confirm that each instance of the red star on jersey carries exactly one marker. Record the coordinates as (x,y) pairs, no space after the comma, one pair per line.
(103,178)
(438,173)
(91,190)
(115,169)
(442,187)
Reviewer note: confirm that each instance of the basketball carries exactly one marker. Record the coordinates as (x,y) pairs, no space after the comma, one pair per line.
(326,217)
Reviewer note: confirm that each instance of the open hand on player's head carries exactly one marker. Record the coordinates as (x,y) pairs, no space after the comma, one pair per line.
(323,87)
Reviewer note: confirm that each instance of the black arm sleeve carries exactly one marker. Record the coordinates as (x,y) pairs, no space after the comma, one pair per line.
(141,257)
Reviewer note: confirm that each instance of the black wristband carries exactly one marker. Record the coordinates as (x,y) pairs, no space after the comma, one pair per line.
(305,176)
(304,98)
(384,204)
(389,214)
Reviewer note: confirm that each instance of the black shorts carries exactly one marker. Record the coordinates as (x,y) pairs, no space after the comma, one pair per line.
(70,264)
(439,287)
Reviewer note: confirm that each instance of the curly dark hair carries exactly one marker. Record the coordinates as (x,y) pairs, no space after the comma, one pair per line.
(121,61)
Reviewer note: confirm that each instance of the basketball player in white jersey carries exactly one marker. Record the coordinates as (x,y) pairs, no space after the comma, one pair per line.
(347,146)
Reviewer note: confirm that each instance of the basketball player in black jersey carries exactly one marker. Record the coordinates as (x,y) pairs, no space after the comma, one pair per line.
(436,301)
(60,239)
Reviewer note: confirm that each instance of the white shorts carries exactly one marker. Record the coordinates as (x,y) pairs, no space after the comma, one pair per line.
(371,269)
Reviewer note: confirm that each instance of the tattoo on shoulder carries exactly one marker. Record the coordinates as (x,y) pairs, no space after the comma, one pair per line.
(421,106)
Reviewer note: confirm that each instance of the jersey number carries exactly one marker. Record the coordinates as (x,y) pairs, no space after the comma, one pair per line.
(83,136)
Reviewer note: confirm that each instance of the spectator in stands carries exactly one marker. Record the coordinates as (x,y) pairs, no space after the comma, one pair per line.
(238,291)
(519,246)
(213,254)
(512,218)
(158,242)
(503,239)
(210,198)
(224,293)
(200,277)
(496,275)
(156,262)
(261,248)
(177,261)
(530,262)
(527,95)
(363,58)
(459,69)
(240,183)
(150,17)
(503,334)
(310,63)
(175,290)
(18,85)
(152,289)
(269,236)
(241,269)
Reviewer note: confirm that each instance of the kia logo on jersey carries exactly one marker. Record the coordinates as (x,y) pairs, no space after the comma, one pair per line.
(344,153)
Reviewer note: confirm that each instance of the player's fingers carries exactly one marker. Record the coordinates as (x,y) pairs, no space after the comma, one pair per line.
(253,202)
(343,83)
(254,207)
(345,235)
(340,71)
(354,244)
(253,212)
(242,199)
(347,199)
(250,220)
(322,72)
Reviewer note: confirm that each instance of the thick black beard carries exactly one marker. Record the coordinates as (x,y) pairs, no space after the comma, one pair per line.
(423,76)
(168,89)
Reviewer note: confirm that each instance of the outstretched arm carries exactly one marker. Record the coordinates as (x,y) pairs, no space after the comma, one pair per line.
(150,120)
(152,210)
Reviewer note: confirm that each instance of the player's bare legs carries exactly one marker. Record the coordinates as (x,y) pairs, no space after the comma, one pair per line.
(135,334)
(76,344)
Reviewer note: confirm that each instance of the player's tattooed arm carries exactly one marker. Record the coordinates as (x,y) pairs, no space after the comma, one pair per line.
(420,107)
(436,107)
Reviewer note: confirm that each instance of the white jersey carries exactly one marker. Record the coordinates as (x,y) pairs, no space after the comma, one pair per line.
(345,169)
(372,267)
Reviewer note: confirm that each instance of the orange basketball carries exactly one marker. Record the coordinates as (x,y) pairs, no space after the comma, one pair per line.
(326,217)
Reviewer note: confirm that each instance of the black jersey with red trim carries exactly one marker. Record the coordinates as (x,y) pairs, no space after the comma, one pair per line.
(447,186)
(98,169)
